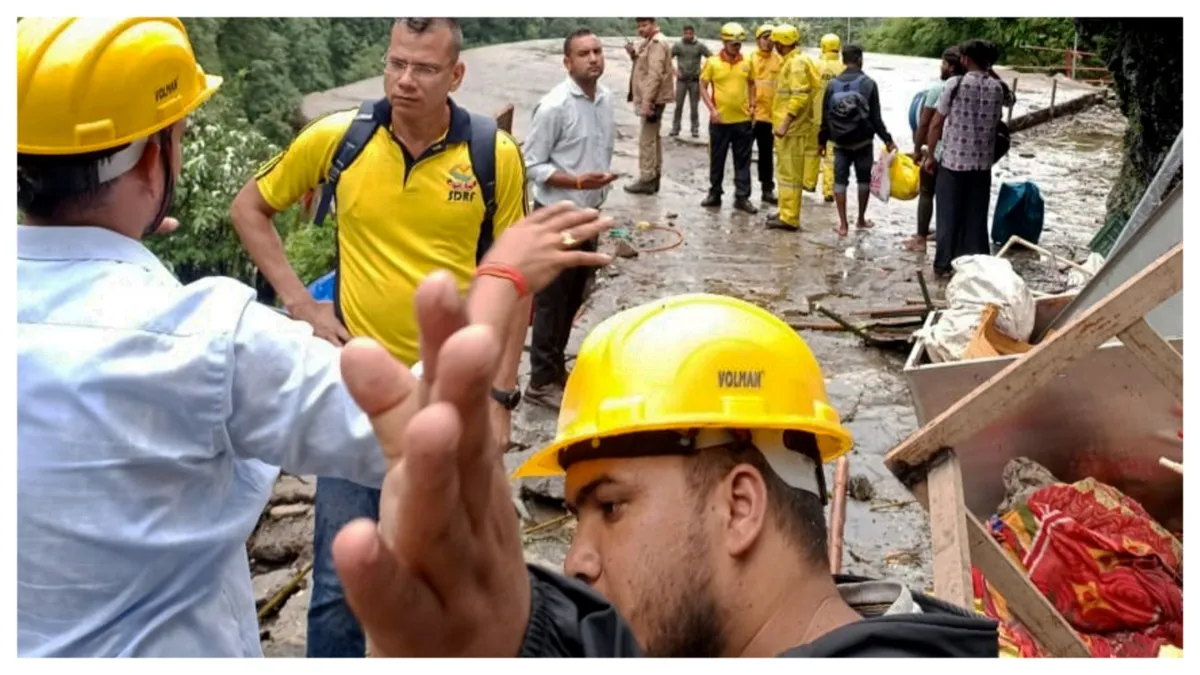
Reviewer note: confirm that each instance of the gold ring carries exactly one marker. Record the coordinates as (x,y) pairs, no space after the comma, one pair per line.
(568,240)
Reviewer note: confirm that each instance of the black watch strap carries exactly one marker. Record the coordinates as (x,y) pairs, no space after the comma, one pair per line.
(508,399)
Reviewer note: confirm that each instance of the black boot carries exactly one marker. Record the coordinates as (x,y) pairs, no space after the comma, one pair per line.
(712,200)
(774,223)
(769,197)
(743,204)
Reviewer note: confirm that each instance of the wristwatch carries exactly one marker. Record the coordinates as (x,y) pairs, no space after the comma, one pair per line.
(508,399)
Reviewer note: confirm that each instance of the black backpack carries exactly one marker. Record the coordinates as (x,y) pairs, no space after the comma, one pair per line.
(481,147)
(849,109)
(1003,135)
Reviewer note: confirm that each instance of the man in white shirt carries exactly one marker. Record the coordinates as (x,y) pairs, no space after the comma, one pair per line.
(568,153)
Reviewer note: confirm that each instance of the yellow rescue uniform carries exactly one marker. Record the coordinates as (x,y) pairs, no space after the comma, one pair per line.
(794,97)
(764,68)
(399,217)
(829,66)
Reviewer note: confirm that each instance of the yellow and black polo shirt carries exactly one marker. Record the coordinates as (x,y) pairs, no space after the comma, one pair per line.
(731,86)
(399,218)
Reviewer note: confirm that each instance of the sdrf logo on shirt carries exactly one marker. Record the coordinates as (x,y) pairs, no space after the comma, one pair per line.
(461,181)
(739,379)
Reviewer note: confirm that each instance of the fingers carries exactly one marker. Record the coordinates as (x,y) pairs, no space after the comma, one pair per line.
(424,508)
(547,212)
(440,312)
(374,582)
(586,259)
(592,229)
(469,362)
(570,219)
(383,388)
(342,333)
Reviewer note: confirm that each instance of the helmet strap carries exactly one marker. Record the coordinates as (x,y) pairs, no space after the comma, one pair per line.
(164,205)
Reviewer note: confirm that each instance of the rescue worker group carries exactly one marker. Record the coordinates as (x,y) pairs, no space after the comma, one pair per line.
(153,417)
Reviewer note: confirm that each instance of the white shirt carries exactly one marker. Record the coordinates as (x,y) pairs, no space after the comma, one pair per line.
(570,133)
(151,419)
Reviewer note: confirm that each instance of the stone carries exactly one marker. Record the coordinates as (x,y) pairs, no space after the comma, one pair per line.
(267,585)
(281,541)
(625,250)
(860,488)
(291,489)
(289,510)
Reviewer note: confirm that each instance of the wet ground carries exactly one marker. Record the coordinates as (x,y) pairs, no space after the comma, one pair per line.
(1074,162)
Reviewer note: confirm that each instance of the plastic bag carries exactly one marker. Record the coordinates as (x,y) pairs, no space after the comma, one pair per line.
(881,180)
(979,280)
(905,176)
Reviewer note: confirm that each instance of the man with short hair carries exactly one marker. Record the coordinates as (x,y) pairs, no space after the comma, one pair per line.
(689,54)
(692,437)
(965,124)
(729,96)
(651,94)
(927,102)
(568,154)
(409,204)
(764,67)
(851,119)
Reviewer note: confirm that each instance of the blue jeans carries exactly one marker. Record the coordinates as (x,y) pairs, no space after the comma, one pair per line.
(333,632)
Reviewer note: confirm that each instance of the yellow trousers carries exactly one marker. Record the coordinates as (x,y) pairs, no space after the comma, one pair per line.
(815,166)
(812,160)
(790,153)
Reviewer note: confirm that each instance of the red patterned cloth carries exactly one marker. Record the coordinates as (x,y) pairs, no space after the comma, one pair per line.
(1113,572)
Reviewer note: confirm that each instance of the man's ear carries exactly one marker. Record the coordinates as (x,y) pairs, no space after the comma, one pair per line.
(460,70)
(744,493)
(149,168)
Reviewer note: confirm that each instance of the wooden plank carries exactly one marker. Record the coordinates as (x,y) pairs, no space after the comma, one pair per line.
(1159,357)
(1027,604)
(1005,390)
(951,549)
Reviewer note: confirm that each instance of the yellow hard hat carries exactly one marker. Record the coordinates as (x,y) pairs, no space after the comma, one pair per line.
(785,34)
(691,362)
(765,28)
(830,42)
(87,84)
(733,32)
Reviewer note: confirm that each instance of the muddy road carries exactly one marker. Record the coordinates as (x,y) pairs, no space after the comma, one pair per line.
(1074,162)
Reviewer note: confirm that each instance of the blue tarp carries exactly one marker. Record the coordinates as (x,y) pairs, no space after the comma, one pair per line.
(1020,211)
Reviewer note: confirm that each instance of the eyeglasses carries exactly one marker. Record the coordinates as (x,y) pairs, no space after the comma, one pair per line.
(420,71)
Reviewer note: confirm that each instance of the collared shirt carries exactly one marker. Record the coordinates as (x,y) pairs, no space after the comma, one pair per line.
(151,419)
(570,133)
(399,217)
(731,86)
(764,66)
(969,130)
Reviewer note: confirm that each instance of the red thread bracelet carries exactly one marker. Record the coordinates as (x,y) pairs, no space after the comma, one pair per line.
(502,271)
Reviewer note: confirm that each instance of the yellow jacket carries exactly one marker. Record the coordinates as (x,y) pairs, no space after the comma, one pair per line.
(764,68)
(829,66)
(795,91)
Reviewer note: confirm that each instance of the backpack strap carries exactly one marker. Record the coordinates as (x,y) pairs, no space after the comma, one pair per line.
(371,115)
(482,149)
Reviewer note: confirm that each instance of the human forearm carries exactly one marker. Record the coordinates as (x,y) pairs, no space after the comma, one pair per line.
(494,301)
(251,217)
